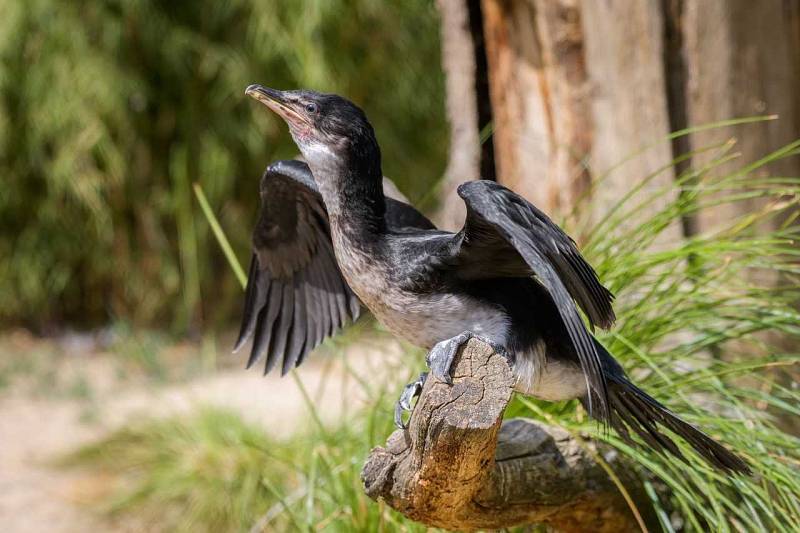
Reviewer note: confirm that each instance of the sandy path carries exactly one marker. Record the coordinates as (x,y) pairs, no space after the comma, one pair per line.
(36,497)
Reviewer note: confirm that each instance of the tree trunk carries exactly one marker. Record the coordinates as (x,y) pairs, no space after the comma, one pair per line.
(540,98)
(743,59)
(458,61)
(457,467)
(579,86)
(624,55)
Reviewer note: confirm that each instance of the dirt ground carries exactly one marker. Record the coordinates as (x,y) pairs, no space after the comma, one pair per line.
(58,395)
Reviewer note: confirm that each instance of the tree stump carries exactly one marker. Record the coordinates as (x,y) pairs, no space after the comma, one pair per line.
(459,466)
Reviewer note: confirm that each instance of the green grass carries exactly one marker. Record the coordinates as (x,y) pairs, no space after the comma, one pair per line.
(702,331)
(699,328)
(213,471)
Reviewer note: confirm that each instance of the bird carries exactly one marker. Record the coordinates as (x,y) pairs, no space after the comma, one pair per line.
(329,241)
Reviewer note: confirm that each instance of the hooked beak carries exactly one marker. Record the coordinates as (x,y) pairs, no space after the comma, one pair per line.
(277,102)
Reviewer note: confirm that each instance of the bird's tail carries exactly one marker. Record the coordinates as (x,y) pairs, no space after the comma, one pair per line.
(632,409)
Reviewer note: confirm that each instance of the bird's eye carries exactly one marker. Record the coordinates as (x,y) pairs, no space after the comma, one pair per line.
(311,107)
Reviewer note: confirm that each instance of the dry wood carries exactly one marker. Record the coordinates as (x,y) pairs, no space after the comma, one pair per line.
(458,466)
(578,87)
(625,63)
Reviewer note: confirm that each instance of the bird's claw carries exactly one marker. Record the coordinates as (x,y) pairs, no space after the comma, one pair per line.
(410,391)
(440,358)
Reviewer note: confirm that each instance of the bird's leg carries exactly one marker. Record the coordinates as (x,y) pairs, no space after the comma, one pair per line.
(441,356)
(410,391)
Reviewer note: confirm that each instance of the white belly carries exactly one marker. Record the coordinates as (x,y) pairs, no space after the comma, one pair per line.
(425,320)
(547,379)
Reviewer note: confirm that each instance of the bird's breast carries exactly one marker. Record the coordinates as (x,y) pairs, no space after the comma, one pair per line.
(419,317)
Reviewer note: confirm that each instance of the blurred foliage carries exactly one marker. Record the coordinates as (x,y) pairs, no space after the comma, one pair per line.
(110,109)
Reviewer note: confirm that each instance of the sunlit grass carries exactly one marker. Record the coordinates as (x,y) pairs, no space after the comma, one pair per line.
(213,471)
(710,327)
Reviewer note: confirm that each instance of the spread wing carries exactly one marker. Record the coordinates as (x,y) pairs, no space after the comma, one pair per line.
(489,204)
(296,295)
(504,235)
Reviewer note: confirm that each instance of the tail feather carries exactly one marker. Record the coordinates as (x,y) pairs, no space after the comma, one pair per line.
(635,410)
(631,410)
(626,412)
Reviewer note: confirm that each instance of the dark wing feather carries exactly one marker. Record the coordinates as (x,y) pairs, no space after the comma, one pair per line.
(401,215)
(296,295)
(503,231)
(555,246)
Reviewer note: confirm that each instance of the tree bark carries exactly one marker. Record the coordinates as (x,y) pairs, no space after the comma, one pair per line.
(540,98)
(458,62)
(625,62)
(579,86)
(743,59)
(459,466)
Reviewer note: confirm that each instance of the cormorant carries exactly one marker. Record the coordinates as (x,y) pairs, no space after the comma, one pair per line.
(328,241)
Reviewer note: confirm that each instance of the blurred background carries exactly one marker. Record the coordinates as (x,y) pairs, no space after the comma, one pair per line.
(111,110)
(662,134)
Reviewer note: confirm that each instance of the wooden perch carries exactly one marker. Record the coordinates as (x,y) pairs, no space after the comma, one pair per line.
(458,466)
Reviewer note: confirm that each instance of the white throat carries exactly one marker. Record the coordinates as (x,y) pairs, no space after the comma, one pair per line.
(327,167)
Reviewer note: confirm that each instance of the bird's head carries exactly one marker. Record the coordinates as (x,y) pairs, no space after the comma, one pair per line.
(332,133)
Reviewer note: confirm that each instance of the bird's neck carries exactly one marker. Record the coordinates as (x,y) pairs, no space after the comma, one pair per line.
(353,194)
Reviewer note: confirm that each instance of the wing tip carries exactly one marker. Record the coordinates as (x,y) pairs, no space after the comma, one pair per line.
(475,189)
(241,341)
(605,322)
(255,355)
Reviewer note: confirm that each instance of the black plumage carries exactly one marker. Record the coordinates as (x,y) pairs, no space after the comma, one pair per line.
(296,295)
(510,276)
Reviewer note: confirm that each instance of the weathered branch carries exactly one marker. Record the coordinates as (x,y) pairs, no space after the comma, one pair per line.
(457,467)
